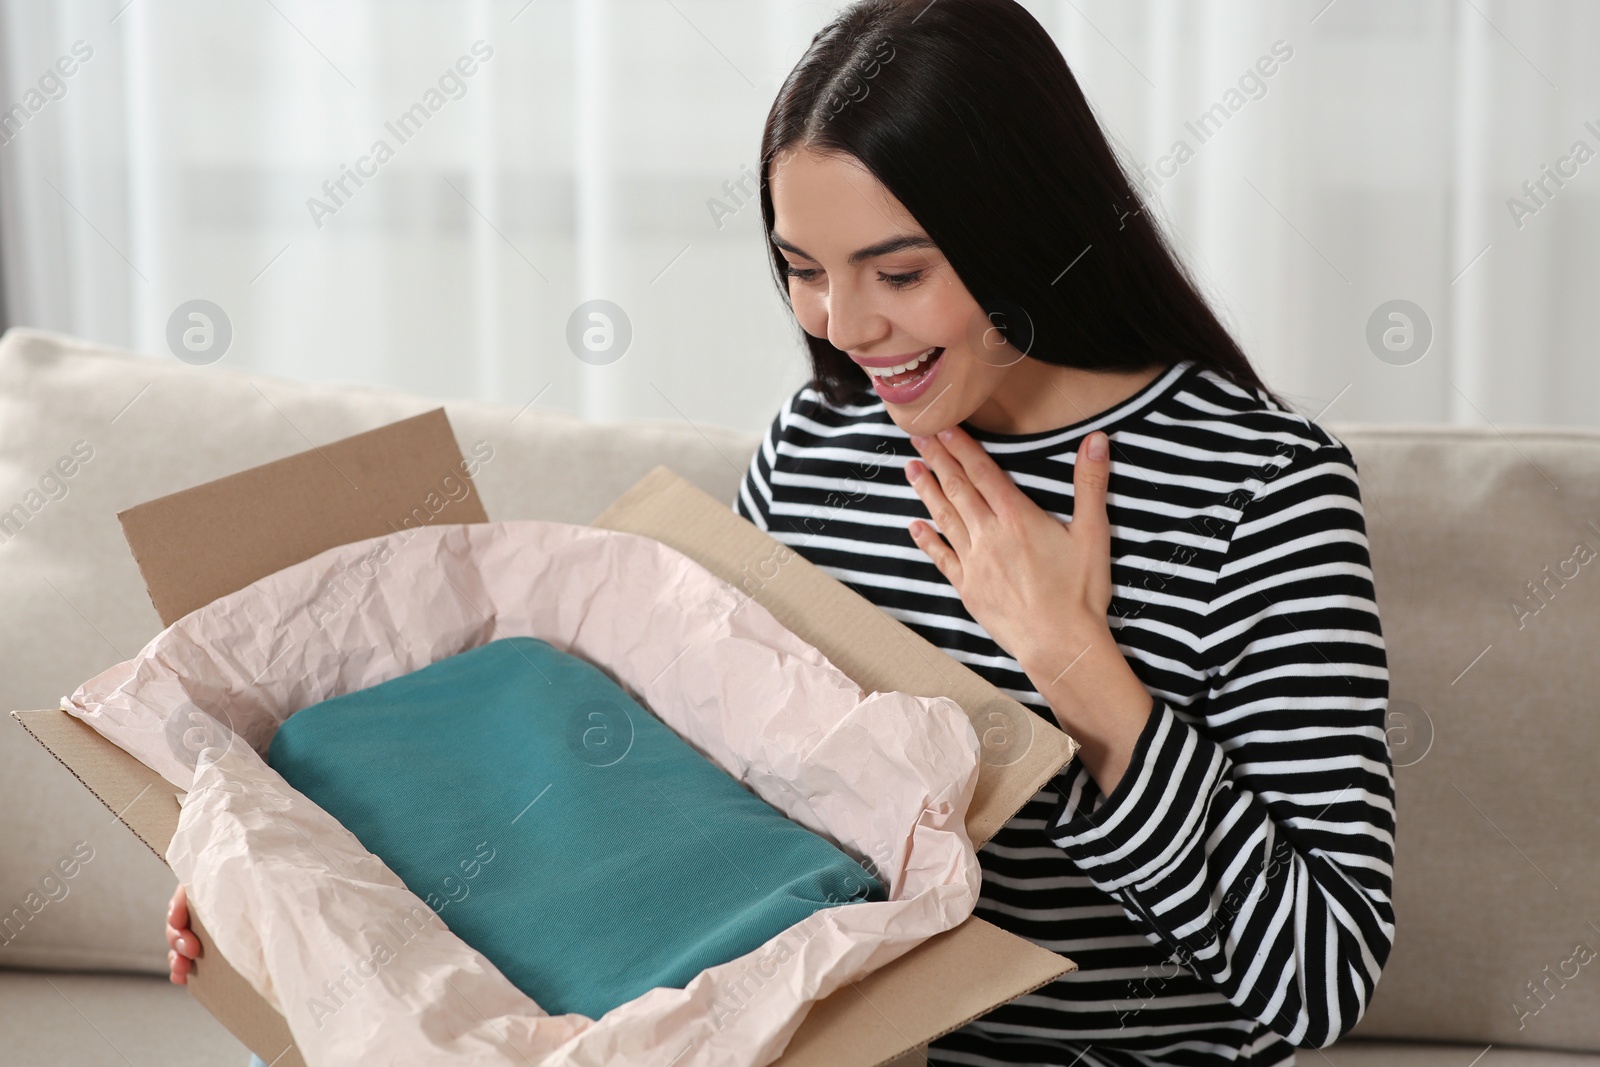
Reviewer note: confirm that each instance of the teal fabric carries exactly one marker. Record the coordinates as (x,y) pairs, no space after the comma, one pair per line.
(558,827)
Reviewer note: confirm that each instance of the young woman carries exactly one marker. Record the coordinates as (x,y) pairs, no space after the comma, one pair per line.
(988,306)
(1029,439)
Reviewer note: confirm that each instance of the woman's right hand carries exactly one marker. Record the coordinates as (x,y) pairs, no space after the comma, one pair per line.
(183,948)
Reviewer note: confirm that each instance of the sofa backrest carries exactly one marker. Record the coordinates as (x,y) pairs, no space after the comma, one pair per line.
(1486,559)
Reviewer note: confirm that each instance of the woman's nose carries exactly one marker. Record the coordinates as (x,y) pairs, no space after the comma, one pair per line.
(852,323)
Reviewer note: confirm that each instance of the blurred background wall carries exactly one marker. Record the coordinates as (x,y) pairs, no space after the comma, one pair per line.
(599,149)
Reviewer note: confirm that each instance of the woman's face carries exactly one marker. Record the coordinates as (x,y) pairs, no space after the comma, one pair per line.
(866,277)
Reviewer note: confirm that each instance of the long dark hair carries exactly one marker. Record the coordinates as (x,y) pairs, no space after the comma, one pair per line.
(966,111)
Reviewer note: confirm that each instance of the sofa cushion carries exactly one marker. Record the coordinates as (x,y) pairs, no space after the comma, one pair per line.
(1355,1053)
(101,1020)
(130,428)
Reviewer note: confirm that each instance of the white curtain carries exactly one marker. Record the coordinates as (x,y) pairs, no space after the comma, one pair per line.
(186,154)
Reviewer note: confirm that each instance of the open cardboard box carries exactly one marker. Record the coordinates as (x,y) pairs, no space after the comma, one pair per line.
(206,542)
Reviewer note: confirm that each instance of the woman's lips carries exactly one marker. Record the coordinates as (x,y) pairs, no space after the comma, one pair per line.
(910,390)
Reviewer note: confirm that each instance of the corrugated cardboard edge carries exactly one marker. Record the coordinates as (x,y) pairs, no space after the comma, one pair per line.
(877,1020)
(137,796)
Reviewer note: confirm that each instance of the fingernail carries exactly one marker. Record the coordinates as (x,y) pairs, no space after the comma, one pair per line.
(1098,446)
(947,433)
(914,471)
(919,443)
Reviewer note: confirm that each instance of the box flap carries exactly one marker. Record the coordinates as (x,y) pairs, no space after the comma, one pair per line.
(208,541)
(1020,753)
(202,543)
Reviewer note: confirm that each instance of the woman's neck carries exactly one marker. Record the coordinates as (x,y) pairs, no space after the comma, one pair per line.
(1036,397)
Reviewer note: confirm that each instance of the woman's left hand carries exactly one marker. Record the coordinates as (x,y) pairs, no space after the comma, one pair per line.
(1041,587)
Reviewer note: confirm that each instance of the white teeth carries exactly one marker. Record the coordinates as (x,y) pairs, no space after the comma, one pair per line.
(885,372)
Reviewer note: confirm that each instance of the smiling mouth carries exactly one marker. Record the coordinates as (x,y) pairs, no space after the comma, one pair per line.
(908,371)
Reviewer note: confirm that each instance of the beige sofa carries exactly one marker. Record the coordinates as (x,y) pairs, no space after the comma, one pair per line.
(1494,719)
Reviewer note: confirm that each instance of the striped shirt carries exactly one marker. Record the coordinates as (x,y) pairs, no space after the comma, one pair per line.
(1230,901)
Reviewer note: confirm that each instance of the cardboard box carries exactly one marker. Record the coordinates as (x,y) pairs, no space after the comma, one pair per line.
(206,542)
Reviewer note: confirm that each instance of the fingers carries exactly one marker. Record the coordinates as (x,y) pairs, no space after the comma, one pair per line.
(178,909)
(955,482)
(957,457)
(178,968)
(928,539)
(181,939)
(1091,474)
(940,507)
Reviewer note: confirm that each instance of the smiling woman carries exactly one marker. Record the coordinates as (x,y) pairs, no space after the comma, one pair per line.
(1109,517)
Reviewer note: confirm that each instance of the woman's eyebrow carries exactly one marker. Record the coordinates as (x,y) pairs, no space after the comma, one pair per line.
(882,248)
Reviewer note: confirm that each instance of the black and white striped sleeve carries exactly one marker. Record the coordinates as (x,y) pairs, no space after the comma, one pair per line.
(1254,834)
(754,498)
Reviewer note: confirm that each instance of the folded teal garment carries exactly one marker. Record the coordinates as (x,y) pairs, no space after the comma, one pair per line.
(558,827)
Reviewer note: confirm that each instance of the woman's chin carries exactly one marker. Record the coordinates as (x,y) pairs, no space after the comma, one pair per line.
(924,423)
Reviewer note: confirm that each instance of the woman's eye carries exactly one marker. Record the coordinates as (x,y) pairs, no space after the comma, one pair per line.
(898,281)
